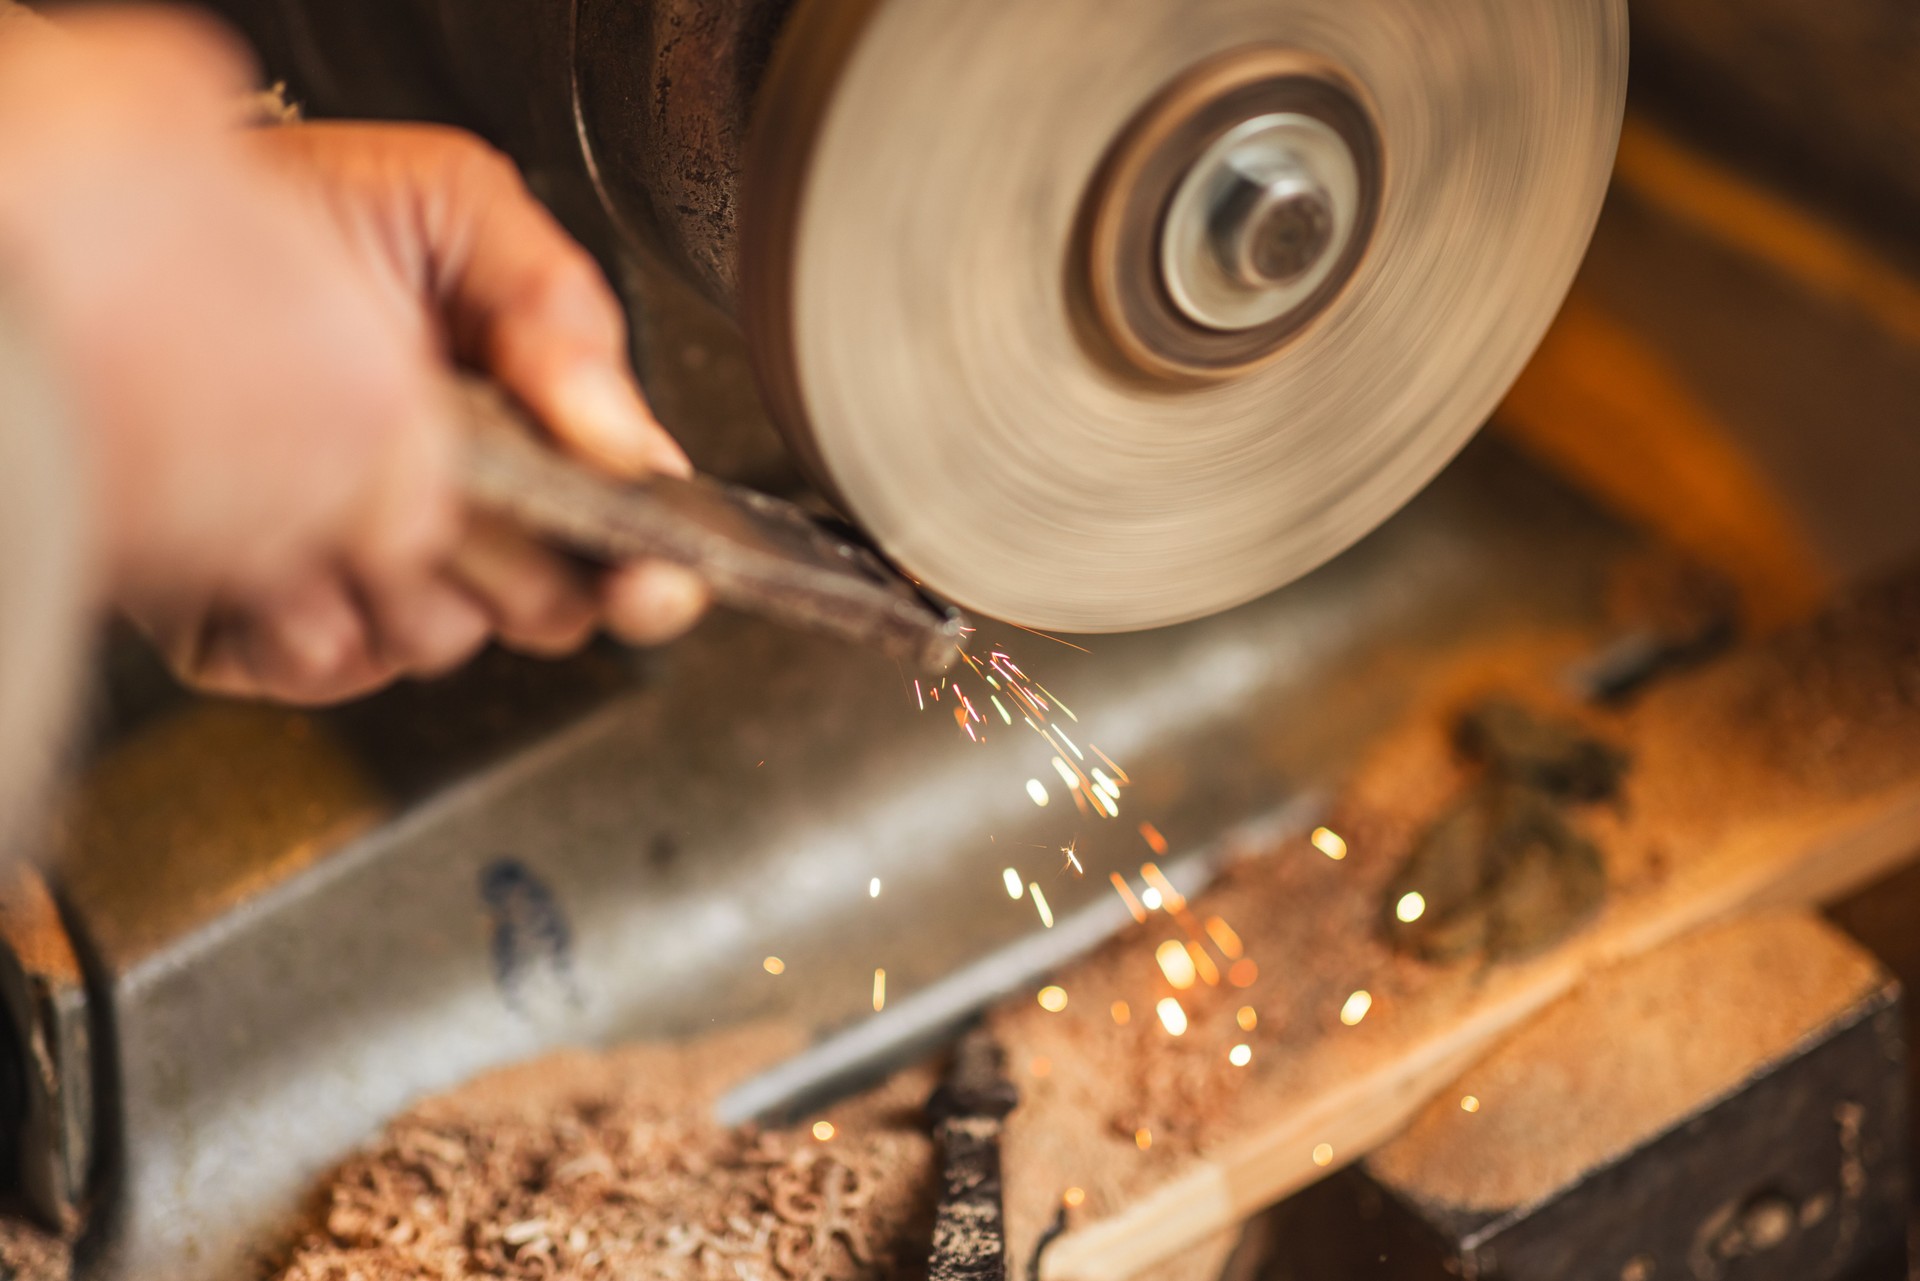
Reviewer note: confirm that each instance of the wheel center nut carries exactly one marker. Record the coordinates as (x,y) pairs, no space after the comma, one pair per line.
(1271,228)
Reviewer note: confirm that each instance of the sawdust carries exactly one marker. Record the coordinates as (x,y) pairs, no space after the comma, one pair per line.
(1567,1093)
(1814,719)
(592,1167)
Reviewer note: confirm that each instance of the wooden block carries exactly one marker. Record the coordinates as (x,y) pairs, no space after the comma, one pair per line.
(1786,774)
(1731,1103)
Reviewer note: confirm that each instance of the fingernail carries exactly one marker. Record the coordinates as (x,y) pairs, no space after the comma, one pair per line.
(600,411)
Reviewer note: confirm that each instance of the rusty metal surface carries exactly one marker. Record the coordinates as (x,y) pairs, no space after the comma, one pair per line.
(968,1112)
(49,1110)
(755,552)
(666,93)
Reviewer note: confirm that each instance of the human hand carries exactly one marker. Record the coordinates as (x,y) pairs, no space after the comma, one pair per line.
(446,220)
(256,335)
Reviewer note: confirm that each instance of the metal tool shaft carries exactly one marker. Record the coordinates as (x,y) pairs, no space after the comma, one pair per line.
(756,552)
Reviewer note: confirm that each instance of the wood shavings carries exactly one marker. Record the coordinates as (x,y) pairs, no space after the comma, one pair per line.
(596,1167)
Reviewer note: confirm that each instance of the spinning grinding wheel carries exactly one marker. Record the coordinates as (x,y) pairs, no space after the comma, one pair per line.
(1095,314)
(1106,314)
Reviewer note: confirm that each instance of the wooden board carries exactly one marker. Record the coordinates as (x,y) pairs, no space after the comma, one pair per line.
(1786,774)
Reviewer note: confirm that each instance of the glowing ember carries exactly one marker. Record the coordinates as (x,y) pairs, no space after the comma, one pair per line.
(1012,880)
(1150,899)
(1143,1138)
(1134,905)
(1243,972)
(873,888)
(1040,904)
(879,990)
(1073,1198)
(1122,1013)
(1203,965)
(1156,878)
(774,965)
(1172,1016)
(1038,791)
(1240,1055)
(1469,1104)
(1247,1018)
(823,1130)
(1411,907)
(1356,1007)
(1224,938)
(1053,999)
(1175,963)
(1329,842)
(1323,1154)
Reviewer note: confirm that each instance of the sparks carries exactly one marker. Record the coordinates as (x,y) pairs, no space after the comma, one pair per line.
(1011,879)
(1411,907)
(1158,879)
(823,1130)
(919,696)
(1143,1138)
(774,965)
(1247,1017)
(1224,938)
(1469,1104)
(1203,965)
(1243,972)
(1173,1016)
(1121,1011)
(1150,899)
(1073,1198)
(1240,1055)
(1323,1154)
(1040,904)
(1155,842)
(1175,964)
(879,990)
(1038,791)
(1330,843)
(1073,859)
(873,888)
(1356,1007)
(1134,907)
(1052,999)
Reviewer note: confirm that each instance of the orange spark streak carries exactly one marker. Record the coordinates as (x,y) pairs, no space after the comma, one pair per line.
(1126,893)
(1171,897)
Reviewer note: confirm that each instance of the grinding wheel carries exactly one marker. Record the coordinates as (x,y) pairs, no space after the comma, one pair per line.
(1107,314)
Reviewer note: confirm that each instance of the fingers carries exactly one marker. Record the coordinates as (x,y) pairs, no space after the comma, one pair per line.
(310,647)
(536,601)
(527,303)
(426,625)
(653,602)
